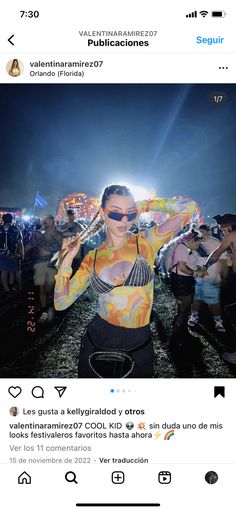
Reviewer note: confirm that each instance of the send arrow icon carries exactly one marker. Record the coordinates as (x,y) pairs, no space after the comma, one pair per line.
(60,390)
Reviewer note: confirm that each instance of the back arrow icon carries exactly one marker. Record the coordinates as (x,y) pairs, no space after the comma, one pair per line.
(10,39)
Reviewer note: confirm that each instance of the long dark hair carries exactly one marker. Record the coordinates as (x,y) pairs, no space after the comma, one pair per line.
(15,62)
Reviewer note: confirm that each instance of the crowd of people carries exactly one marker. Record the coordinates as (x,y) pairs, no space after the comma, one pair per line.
(201,267)
(36,241)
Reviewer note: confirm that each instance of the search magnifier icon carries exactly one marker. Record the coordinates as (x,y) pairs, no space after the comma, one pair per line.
(70,477)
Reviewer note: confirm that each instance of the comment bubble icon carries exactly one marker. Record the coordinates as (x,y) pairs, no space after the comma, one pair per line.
(37,392)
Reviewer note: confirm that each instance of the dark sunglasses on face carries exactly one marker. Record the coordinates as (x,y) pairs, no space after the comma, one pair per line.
(114,215)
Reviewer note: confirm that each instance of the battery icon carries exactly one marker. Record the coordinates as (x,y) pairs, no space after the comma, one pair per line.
(218,14)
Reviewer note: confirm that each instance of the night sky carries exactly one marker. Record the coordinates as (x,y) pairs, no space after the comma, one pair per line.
(61,139)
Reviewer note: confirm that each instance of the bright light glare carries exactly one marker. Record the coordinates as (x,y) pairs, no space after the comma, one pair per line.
(26,217)
(139,192)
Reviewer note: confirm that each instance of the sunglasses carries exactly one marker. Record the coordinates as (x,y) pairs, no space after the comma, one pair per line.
(114,215)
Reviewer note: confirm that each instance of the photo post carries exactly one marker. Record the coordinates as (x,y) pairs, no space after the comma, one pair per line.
(117,255)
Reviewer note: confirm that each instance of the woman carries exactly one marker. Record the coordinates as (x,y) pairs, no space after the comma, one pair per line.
(207,289)
(121,272)
(15,68)
(183,281)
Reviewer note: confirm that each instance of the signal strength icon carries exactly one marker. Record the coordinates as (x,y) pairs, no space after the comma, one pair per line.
(204,13)
(192,14)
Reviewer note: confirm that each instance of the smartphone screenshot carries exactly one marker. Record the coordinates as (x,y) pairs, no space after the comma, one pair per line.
(117,255)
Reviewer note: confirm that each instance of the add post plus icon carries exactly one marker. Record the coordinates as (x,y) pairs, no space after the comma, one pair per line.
(118,477)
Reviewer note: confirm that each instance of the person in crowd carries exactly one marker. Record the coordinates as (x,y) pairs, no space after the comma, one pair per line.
(207,289)
(11,254)
(227,223)
(71,228)
(217,232)
(183,280)
(228,226)
(45,243)
(120,271)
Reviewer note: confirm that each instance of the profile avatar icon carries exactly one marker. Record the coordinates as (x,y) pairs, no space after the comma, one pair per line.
(211,477)
(15,68)
(14,411)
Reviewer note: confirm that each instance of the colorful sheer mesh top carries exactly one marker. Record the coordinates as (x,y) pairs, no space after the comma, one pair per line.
(139,275)
(122,277)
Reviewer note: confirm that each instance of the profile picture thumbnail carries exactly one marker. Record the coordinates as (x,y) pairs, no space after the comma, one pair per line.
(15,68)
(14,411)
(211,477)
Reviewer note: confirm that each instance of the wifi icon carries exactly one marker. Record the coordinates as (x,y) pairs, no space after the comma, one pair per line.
(204,13)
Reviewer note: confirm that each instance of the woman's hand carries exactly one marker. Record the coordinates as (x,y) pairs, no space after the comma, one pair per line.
(70,247)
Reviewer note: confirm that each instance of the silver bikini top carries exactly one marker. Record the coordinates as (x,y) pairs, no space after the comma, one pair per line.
(140,275)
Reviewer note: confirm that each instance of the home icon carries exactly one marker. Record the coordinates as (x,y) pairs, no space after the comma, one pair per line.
(24,478)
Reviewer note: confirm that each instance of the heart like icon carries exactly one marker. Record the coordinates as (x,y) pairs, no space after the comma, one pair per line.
(15,391)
